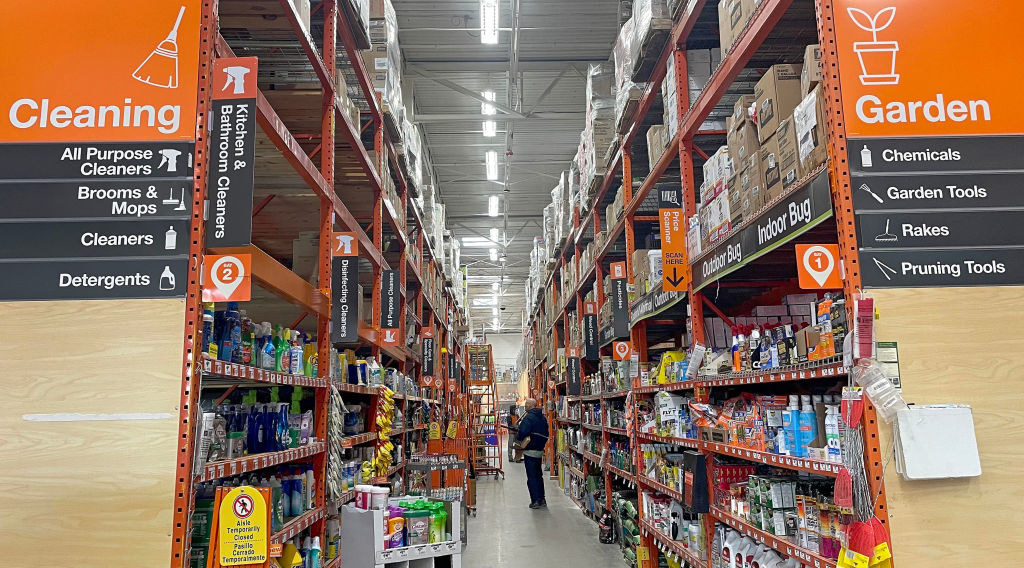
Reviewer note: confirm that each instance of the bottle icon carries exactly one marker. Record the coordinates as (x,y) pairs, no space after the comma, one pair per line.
(167,279)
(171,239)
(865,157)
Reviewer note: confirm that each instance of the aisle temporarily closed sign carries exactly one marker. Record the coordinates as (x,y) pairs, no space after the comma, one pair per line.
(935,133)
(96,148)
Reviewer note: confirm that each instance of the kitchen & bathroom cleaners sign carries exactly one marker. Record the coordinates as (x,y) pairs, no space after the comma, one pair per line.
(935,137)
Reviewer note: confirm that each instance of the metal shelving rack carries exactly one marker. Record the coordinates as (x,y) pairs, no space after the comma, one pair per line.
(299,128)
(483,412)
(768,38)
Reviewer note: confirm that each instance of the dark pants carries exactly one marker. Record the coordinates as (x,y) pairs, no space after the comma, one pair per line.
(534,479)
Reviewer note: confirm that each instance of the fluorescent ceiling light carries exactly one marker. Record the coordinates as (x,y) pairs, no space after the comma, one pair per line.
(494,311)
(491,159)
(496,235)
(490,127)
(495,323)
(494,254)
(495,286)
(486,108)
(493,206)
(489,21)
(484,302)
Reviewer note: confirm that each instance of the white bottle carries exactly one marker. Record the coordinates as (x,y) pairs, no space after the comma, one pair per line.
(171,239)
(832,434)
(732,541)
(865,157)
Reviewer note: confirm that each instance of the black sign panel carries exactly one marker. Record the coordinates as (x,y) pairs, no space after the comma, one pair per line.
(345,299)
(940,230)
(932,268)
(389,299)
(452,362)
(798,212)
(94,279)
(572,376)
(653,303)
(232,153)
(938,154)
(591,352)
(620,307)
(938,192)
(96,160)
(99,199)
(427,355)
(93,239)
(670,196)
(606,334)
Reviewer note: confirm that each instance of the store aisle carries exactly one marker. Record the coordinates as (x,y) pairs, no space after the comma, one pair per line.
(506,533)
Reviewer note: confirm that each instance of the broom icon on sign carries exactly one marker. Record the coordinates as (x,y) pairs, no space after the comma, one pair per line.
(160,68)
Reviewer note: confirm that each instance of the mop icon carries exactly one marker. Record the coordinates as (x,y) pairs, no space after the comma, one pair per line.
(160,68)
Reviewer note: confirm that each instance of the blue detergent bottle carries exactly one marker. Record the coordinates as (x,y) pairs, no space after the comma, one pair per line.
(808,424)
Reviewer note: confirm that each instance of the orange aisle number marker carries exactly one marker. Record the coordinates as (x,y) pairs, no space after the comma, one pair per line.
(818,267)
(621,350)
(227,278)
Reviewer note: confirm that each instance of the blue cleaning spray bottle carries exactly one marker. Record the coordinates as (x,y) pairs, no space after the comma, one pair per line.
(808,424)
(791,425)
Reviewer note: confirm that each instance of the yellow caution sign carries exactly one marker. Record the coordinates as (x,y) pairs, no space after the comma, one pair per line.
(243,532)
(453,429)
(435,430)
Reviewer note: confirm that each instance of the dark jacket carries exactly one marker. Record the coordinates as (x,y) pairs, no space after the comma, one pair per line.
(535,426)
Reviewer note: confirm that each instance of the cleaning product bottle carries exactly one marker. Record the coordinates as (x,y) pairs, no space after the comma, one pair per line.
(297,353)
(208,309)
(313,558)
(808,424)
(279,348)
(266,333)
(248,342)
(438,522)
(236,333)
(791,345)
(225,334)
(765,348)
(277,514)
(310,488)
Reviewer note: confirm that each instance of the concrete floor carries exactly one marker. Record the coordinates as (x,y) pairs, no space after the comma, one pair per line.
(506,533)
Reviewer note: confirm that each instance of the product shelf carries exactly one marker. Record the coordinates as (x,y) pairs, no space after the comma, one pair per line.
(235,373)
(336,563)
(227,468)
(806,557)
(660,488)
(590,397)
(391,471)
(685,442)
(616,394)
(595,427)
(592,457)
(671,546)
(357,389)
(807,465)
(575,471)
(400,431)
(622,474)
(358,439)
(668,387)
(616,431)
(298,524)
(831,367)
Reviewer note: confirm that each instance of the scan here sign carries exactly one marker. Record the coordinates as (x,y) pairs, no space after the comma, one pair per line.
(902,75)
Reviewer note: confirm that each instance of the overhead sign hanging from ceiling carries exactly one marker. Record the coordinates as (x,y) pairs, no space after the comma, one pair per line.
(934,141)
(96,148)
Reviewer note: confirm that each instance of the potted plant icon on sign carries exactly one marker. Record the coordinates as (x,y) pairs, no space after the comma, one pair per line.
(877,58)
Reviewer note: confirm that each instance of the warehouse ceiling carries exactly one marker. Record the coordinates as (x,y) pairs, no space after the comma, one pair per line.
(537,69)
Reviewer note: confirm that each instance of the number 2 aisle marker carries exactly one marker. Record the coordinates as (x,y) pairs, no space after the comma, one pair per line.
(227,278)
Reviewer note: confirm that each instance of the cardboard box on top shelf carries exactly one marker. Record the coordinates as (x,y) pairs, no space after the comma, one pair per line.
(809,126)
(735,199)
(655,144)
(788,159)
(772,168)
(776,95)
(741,110)
(717,170)
(810,75)
(742,140)
(733,16)
(752,186)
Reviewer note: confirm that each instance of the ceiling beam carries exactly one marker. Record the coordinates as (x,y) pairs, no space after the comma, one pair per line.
(517,117)
(462,90)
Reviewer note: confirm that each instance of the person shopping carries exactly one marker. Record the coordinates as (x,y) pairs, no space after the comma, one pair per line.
(532,437)
(512,426)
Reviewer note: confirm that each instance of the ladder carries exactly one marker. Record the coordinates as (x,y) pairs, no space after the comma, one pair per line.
(484,434)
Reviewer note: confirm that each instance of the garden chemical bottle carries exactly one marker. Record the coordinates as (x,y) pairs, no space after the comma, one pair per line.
(755,350)
(765,349)
(832,433)
(736,360)
(808,424)
(224,335)
(791,424)
(791,345)
(248,342)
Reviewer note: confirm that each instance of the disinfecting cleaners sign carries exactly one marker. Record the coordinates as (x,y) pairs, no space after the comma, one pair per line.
(934,141)
(96,149)
(344,288)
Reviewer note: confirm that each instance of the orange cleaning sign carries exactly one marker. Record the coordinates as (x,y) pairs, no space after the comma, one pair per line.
(116,70)
(910,68)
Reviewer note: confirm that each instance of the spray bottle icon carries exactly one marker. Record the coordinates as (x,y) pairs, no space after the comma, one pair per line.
(235,77)
(169,158)
(865,157)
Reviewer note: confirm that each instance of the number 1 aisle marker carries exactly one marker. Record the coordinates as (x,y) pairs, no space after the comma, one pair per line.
(816,267)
